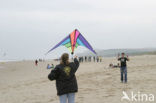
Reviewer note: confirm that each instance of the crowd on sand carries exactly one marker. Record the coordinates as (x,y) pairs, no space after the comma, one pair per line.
(81,59)
(90,59)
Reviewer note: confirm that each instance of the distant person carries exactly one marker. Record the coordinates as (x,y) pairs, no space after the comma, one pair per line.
(85,58)
(89,59)
(66,82)
(82,59)
(123,66)
(94,58)
(100,59)
(52,66)
(36,62)
(116,66)
(97,59)
(111,65)
(48,66)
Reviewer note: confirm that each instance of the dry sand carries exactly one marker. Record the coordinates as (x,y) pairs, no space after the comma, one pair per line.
(23,82)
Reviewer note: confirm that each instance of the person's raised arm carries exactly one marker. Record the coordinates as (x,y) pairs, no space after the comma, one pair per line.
(128,58)
(118,57)
(76,62)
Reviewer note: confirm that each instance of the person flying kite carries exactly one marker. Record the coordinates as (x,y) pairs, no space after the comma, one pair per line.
(72,41)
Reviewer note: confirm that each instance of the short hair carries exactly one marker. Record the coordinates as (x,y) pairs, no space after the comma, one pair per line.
(123,53)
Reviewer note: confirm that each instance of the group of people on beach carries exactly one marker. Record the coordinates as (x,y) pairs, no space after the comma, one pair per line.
(66,82)
(114,66)
(90,58)
(50,66)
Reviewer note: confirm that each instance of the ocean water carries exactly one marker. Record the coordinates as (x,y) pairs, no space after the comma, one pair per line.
(9,60)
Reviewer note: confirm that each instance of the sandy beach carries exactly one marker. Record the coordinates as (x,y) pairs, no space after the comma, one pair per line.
(23,82)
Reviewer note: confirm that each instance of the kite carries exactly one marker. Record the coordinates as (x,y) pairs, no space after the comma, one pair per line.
(72,41)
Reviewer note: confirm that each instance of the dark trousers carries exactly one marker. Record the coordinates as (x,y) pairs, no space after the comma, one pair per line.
(123,74)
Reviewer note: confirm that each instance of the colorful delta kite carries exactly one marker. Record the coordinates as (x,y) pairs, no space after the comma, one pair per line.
(72,41)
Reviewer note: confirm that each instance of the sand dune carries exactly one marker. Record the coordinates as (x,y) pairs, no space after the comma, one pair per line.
(23,82)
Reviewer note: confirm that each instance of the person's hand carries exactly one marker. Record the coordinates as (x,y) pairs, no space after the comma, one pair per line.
(127,58)
(118,55)
(75,56)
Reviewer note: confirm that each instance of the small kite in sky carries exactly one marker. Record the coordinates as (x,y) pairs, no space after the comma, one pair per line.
(72,41)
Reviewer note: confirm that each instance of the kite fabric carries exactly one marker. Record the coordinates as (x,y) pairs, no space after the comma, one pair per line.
(72,41)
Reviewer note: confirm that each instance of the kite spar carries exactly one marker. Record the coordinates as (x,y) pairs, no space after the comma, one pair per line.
(72,41)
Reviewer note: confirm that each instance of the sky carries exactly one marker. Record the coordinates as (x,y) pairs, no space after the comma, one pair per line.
(29,28)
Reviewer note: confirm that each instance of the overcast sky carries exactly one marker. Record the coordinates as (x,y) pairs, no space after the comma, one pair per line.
(29,28)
